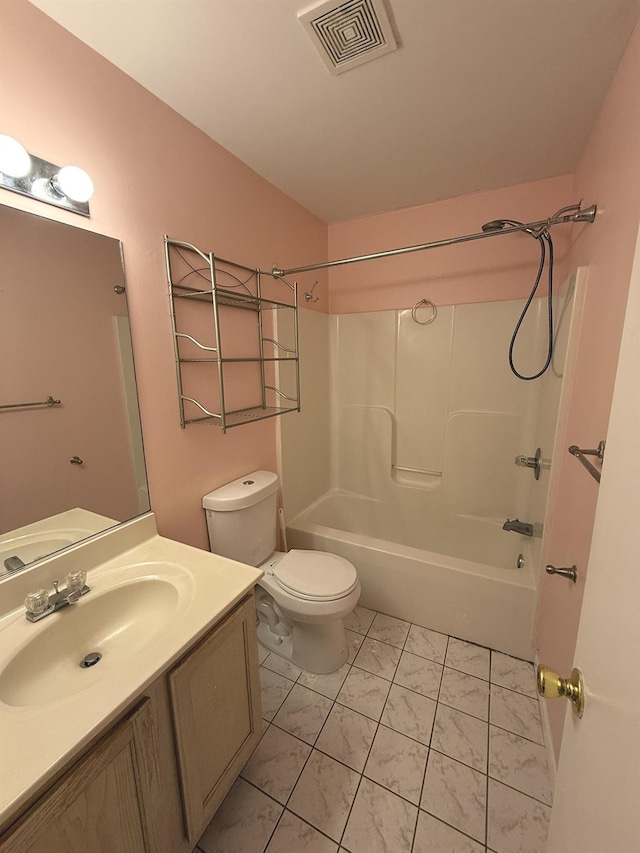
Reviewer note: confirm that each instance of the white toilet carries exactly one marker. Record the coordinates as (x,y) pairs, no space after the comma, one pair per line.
(304,595)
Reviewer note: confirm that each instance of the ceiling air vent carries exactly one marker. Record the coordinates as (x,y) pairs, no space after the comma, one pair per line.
(350,33)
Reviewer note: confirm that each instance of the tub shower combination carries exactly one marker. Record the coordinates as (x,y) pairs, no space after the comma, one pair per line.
(433,437)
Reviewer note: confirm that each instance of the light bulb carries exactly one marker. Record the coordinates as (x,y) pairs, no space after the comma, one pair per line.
(14,158)
(74,183)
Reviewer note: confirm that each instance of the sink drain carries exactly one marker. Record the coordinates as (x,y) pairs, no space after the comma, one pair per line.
(90,660)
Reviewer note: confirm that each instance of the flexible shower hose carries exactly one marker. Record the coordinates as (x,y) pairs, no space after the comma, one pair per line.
(542,238)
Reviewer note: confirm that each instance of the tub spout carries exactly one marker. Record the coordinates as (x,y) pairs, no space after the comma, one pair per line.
(522,527)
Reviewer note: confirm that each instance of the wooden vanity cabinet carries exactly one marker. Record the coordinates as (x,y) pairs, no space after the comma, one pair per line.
(96,807)
(154,781)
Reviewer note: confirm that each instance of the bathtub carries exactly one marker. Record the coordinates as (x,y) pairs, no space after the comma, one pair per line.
(457,575)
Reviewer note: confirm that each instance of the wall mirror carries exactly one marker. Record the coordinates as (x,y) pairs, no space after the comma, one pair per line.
(72,463)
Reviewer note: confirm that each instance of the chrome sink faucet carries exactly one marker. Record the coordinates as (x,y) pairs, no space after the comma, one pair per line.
(41,603)
(522,527)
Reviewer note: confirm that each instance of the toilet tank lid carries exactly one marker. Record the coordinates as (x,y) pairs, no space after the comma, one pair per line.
(243,492)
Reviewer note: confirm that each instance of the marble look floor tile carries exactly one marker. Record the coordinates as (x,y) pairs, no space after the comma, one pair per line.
(359,620)
(243,823)
(389,630)
(516,823)
(354,641)
(263,653)
(379,822)
(469,658)
(516,674)
(282,666)
(324,794)
(465,692)
(456,794)
(294,834)
(347,736)
(398,763)
(409,713)
(419,674)
(329,685)
(377,657)
(364,692)
(426,643)
(274,689)
(516,713)
(519,763)
(461,736)
(303,713)
(433,836)
(276,763)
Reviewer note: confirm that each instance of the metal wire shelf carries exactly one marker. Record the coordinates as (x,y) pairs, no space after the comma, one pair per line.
(184,262)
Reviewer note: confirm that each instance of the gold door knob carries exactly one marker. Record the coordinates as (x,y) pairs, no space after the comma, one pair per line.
(550,686)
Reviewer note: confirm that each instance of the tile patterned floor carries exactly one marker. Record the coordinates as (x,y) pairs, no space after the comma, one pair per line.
(420,743)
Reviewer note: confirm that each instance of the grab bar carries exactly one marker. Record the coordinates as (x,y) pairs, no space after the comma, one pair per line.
(417,470)
(581,455)
(48,402)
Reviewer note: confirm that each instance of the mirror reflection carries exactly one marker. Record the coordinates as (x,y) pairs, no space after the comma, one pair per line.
(72,465)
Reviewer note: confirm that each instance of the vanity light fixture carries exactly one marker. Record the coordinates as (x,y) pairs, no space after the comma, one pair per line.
(68,187)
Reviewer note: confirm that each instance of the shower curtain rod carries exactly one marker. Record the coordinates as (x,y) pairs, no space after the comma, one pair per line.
(586,215)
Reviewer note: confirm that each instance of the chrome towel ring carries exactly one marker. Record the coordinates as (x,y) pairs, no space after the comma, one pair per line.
(427,303)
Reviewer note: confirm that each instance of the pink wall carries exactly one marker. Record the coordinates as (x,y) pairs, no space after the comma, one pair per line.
(609,174)
(480,271)
(154,174)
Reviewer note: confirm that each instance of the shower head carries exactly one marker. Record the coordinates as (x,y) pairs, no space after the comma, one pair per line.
(496,225)
(500,224)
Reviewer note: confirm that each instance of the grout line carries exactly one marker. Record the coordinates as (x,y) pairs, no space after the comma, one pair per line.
(486,804)
(426,767)
(362,776)
(518,791)
(517,734)
(333,704)
(457,828)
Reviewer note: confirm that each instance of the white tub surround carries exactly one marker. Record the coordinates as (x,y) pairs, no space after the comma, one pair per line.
(426,423)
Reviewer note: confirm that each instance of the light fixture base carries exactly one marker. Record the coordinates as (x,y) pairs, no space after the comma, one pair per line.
(35,185)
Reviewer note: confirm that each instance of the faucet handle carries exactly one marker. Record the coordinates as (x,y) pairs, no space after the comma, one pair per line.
(55,585)
(76,580)
(37,602)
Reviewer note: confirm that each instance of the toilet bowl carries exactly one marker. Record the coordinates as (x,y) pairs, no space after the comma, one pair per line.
(311,592)
(304,596)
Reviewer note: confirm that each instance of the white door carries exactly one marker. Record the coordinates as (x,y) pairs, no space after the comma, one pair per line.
(597,801)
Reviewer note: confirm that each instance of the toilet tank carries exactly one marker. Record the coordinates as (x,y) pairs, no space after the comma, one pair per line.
(241,518)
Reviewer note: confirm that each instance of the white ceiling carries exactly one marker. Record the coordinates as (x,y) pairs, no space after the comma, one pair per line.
(481,93)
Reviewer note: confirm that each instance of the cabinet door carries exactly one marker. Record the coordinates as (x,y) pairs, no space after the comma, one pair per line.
(95,808)
(215,695)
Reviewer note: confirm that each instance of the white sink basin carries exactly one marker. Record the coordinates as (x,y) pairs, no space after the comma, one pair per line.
(117,622)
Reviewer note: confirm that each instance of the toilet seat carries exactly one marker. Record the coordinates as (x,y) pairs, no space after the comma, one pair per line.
(315,575)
